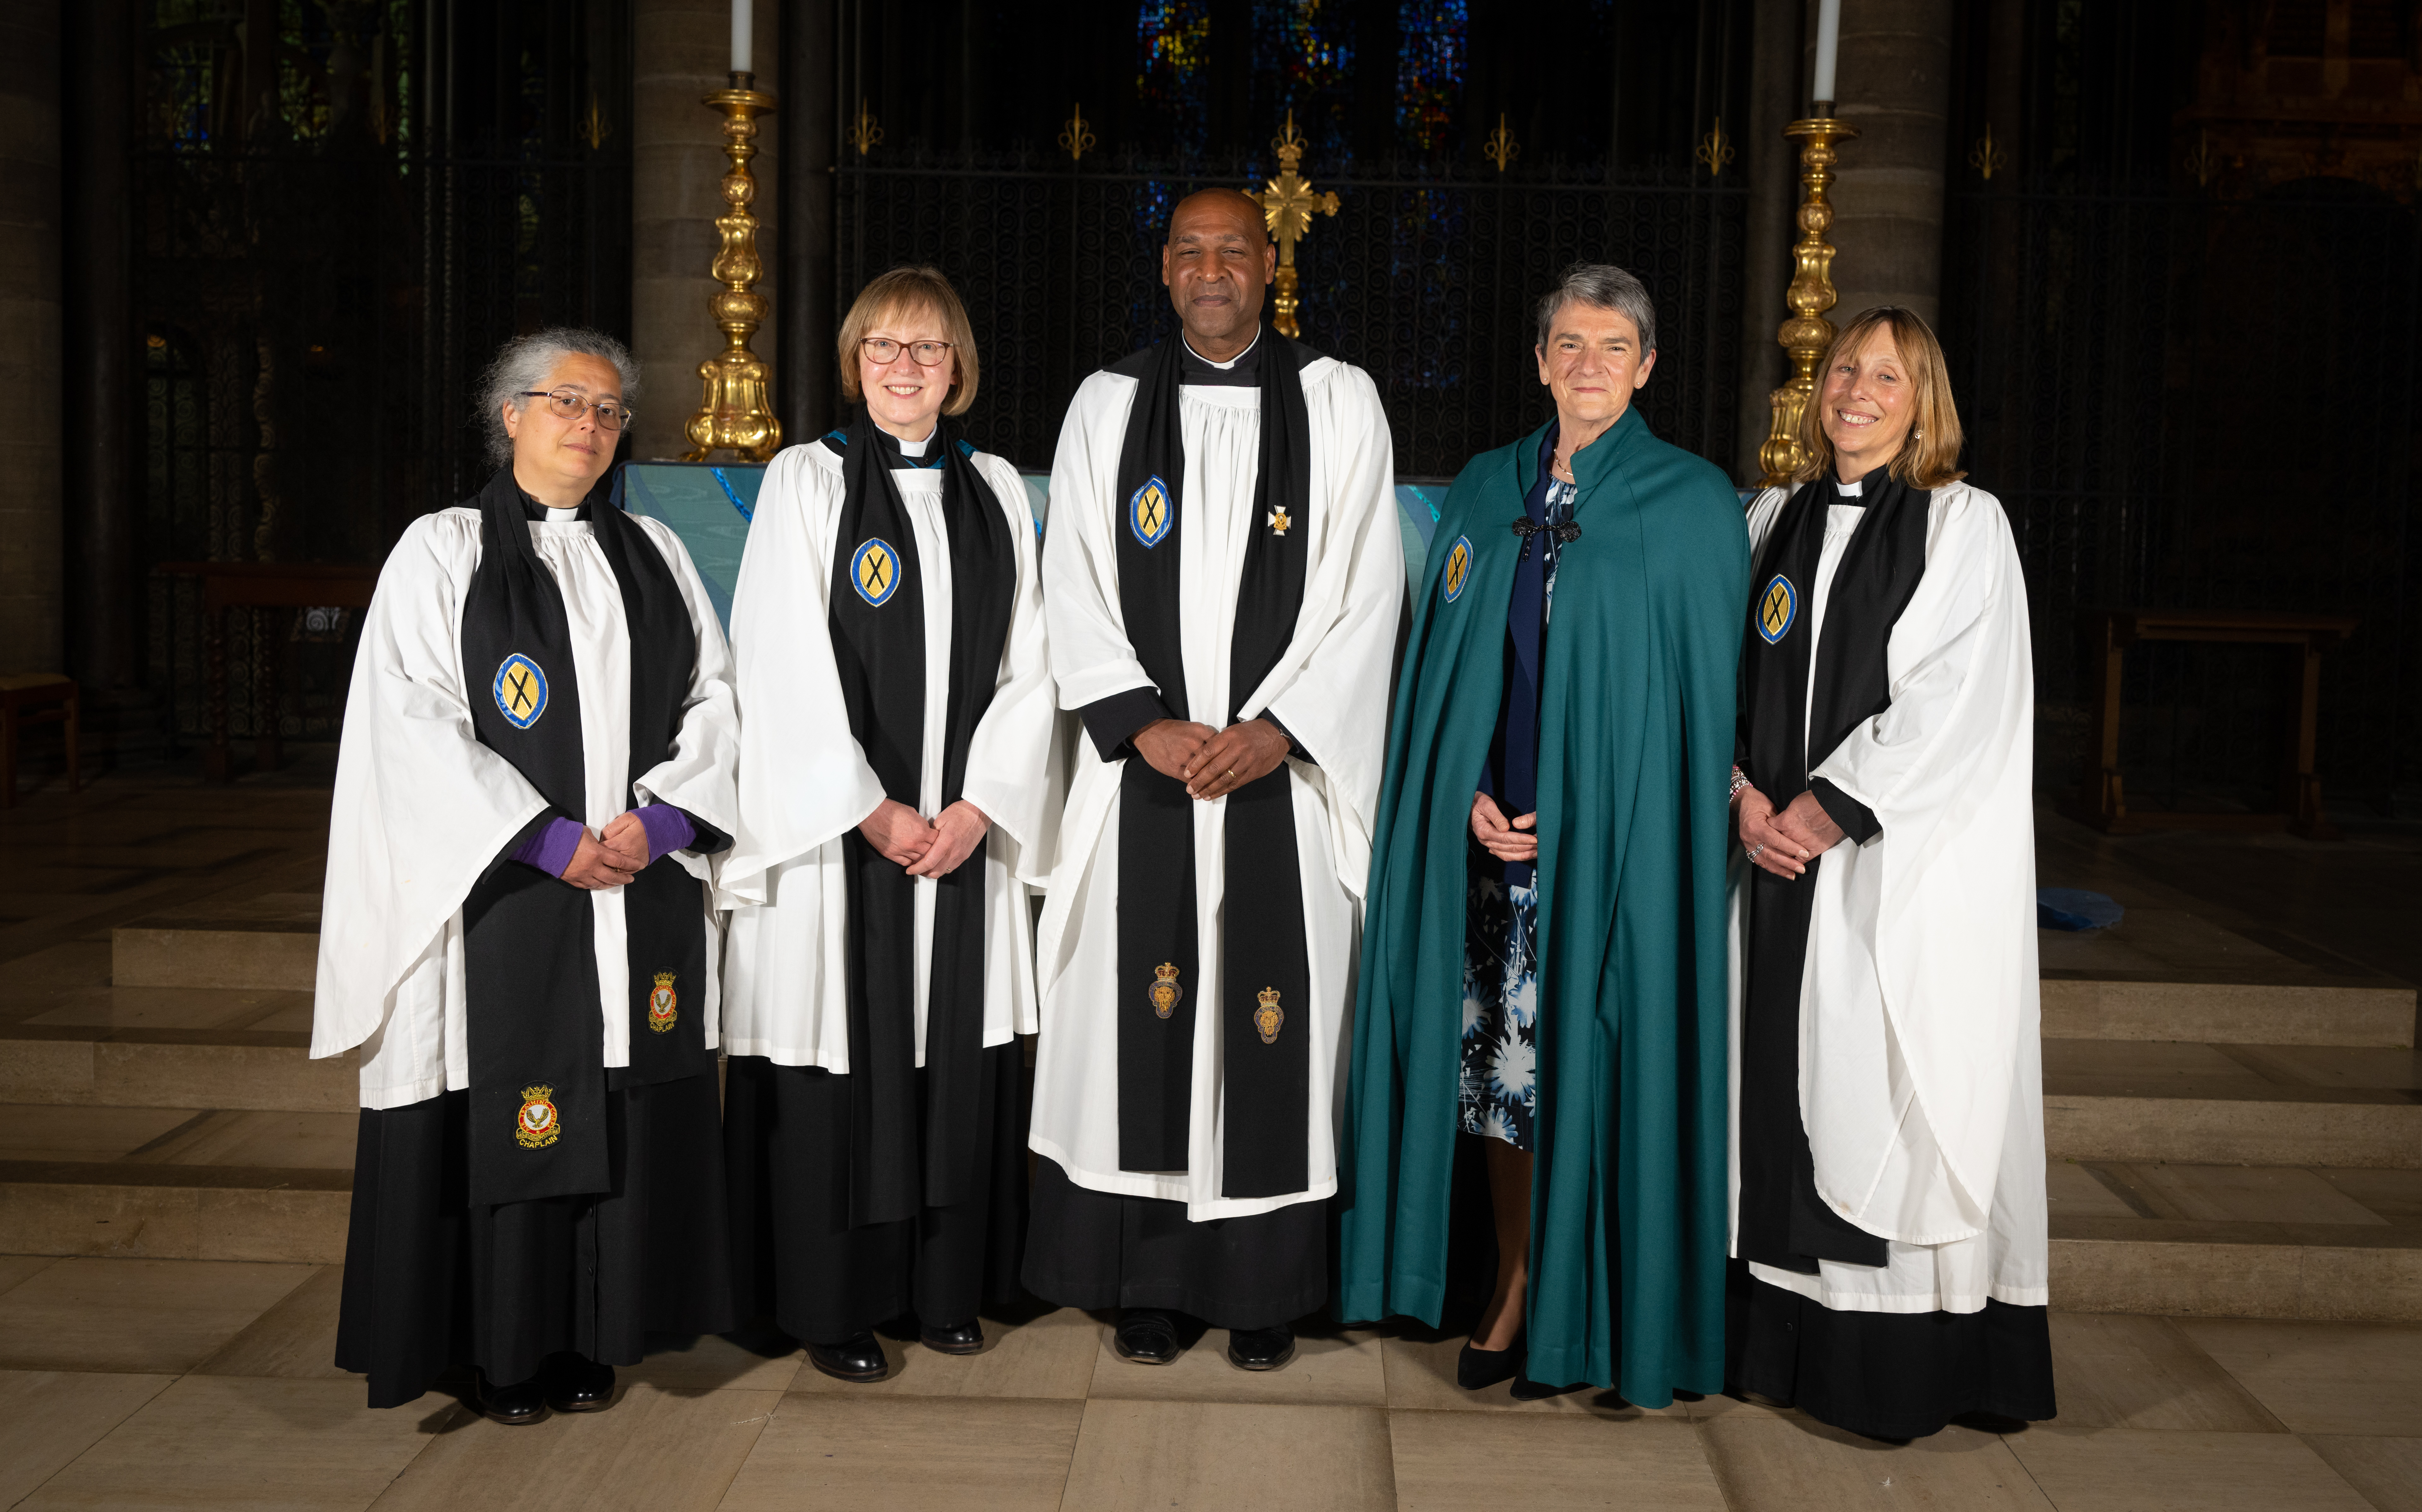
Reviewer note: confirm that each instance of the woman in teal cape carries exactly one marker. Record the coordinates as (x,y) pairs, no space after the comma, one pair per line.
(1635,708)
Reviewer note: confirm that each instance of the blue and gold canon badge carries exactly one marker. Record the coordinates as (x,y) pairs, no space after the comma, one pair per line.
(521,691)
(1777,607)
(1457,571)
(1149,514)
(874,572)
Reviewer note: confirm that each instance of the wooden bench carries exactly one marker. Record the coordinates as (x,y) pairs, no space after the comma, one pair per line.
(2101,797)
(261,587)
(35,698)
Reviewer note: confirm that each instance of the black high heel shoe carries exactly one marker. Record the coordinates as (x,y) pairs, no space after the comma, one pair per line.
(1477,1369)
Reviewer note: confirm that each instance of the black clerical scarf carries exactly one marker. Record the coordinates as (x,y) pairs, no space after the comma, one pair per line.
(878,640)
(538,1074)
(1264,965)
(1783,1221)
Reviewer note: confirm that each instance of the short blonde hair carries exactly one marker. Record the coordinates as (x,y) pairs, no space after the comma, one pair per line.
(1930,457)
(920,290)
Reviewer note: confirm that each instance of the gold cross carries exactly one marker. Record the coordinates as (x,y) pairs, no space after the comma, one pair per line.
(1287,207)
(1778,605)
(521,689)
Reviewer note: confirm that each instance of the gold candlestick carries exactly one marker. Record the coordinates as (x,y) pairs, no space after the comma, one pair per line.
(1808,333)
(1288,206)
(737,412)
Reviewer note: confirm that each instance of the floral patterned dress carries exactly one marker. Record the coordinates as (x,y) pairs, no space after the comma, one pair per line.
(1500,1090)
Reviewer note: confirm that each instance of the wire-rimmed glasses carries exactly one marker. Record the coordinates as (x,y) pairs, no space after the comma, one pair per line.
(567,403)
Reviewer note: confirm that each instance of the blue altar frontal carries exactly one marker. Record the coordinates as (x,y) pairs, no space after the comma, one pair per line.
(709,505)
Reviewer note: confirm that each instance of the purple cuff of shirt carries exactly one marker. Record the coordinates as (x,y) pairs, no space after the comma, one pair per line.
(551,849)
(668,830)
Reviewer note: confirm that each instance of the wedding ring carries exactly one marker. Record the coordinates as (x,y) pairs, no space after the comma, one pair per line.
(1229,772)
(1753,854)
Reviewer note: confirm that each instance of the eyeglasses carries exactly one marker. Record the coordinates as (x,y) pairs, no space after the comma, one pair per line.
(567,404)
(883,350)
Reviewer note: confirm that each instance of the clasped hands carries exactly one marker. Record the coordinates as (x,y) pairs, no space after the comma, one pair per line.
(1212,763)
(1784,843)
(902,837)
(611,857)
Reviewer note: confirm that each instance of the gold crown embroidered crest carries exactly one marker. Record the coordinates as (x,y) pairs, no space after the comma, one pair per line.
(1269,1018)
(1164,992)
(663,1004)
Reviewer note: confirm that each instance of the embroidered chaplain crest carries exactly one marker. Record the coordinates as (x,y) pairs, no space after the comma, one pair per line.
(1457,571)
(874,572)
(1279,521)
(663,1007)
(536,1126)
(1777,607)
(1269,1018)
(1164,993)
(521,691)
(1149,514)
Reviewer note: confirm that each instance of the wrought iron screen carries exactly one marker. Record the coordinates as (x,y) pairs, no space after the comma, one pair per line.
(318,292)
(2190,402)
(1426,279)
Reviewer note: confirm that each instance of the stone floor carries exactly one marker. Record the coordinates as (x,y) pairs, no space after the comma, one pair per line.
(128,1382)
(140,1383)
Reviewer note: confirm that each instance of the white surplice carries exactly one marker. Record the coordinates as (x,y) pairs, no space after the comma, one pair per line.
(1921,1079)
(804,782)
(1329,689)
(422,808)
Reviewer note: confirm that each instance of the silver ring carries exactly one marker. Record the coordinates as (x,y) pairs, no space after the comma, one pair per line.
(1754,854)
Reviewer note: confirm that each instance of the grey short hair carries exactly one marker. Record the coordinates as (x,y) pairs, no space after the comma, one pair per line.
(522,364)
(1607,287)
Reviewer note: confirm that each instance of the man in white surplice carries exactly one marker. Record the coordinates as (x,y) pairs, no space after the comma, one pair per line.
(1221,509)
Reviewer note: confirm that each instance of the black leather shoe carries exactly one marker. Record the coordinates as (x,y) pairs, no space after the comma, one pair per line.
(1477,1369)
(859,1358)
(1260,1348)
(1148,1336)
(575,1383)
(520,1403)
(962,1338)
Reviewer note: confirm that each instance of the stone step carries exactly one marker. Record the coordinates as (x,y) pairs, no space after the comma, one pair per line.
(173,1183)
(2228,1013)
(269,942)
(2249,1104)
(236,1068)
(2236,1240)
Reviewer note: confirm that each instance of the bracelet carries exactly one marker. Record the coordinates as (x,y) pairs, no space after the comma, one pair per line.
(1739,781)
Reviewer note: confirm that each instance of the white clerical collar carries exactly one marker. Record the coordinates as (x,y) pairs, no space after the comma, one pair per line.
(917,448)
(1850,491)
(562,517)
(1232,362)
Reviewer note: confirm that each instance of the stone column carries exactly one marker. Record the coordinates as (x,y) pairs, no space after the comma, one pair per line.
(809,396)
(1894,83)
(1772,161)
(681,52)
(102,438)
(31,376)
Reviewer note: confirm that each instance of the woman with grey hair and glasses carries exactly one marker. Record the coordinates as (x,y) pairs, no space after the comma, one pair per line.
(1555,799)
(538,759)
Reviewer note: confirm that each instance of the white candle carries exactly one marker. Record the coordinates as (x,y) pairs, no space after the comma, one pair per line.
(1828,42)
(743,32)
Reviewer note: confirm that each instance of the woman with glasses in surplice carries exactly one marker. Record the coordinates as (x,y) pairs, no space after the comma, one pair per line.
(896,740)
(537,760)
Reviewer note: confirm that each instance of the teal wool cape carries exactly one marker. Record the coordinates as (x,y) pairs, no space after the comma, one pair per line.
(1629,1207)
